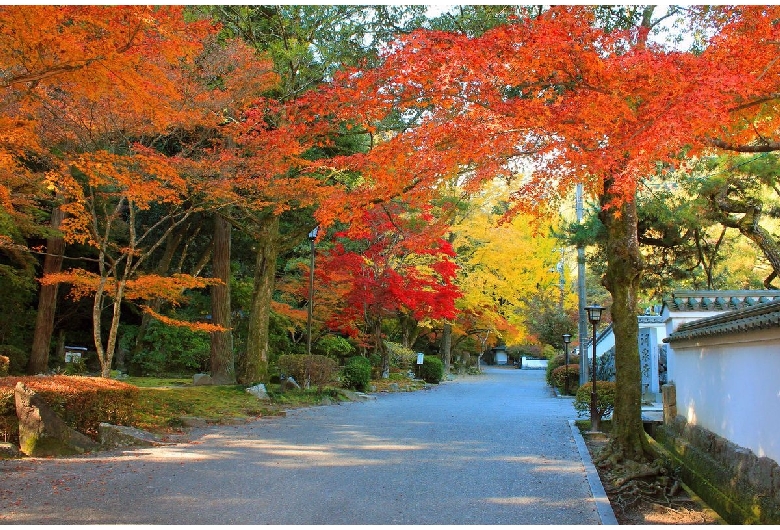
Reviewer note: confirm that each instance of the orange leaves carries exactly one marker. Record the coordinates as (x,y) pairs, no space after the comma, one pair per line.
(146,287)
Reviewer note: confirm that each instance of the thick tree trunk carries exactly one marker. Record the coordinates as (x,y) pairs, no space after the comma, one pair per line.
(253,364)
(222,363)
(446,346)
(624,270)
(47,300)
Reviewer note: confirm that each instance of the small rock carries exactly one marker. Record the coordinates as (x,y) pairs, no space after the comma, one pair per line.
(201,379)
(122,436)
(8,451)
(259,391)
(394,387)
(290,383)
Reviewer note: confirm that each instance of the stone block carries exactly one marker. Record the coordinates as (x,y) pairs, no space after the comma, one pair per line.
(121,436)
(42,432)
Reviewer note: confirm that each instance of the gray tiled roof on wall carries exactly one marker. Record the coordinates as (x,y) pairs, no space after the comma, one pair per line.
(764,315)
(718,300)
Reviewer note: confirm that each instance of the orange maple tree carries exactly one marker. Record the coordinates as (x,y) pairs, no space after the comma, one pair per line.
(97,89)
(606,108)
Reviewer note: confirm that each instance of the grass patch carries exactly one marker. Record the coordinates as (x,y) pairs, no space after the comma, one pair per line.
(164,402)
(161,408)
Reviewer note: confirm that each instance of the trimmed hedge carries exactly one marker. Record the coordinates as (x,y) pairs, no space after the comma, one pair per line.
(432,369)
(560,374)
(82,402)
(556,361)
(356,373)
(316,370)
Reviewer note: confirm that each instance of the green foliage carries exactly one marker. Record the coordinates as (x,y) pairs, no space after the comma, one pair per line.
(308,370)
(333,346)
(166,350)
(605,398)
(546,320)
(76,367)
(562,373)
(356,374)
(17,359)
(432,369)
(400,356)
(557,361)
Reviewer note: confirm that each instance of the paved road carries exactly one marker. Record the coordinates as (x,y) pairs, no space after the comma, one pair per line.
(492,449)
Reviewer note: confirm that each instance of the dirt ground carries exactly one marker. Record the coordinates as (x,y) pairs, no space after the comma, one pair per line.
(681,509)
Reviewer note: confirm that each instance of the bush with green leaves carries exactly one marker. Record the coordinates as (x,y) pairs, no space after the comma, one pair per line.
(605,399)
(308,370)
(166,350)
(17,359)
(356,374)
(432,369)
(400,356)
(333,346)
(562,373)
(557,361)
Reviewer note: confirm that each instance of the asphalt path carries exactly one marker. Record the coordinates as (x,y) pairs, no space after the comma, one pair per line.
(489,449)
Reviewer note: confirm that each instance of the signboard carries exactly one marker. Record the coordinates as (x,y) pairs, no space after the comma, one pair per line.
(73,353)
(420,358)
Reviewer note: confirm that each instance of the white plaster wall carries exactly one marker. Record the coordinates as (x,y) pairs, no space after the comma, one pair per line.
(604,345)
(671,323)
(731,386)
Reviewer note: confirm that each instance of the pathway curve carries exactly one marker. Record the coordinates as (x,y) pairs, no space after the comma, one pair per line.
(490,449)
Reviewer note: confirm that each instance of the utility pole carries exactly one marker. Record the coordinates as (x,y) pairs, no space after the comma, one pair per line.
(583,321)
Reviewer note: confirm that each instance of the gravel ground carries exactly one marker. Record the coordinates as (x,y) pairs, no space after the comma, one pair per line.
(490,449)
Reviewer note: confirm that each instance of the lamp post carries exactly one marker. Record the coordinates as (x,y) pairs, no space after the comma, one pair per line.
(594,316)
(312,237)
(566,341)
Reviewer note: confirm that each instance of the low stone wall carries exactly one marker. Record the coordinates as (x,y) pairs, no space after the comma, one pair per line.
(742,487)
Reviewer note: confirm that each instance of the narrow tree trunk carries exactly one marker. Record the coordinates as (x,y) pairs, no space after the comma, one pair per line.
(624,270)
(47,299)
(446,346)
(253,364)
(380,349)
(222,363)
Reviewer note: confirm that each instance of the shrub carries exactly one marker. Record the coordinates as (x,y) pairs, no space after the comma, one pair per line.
(356,373)
(605,399)
(400,356)
(308,370)
(562,373)
(557,361)
(17,359)
(5,362)
(333,346)
(166,350)
(82,402)
(432,369)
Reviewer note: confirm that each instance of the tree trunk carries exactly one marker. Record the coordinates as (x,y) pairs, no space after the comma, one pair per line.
(380,349)
(624,270)
(222,363)
(253,364)
(446,346)
(47,299)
